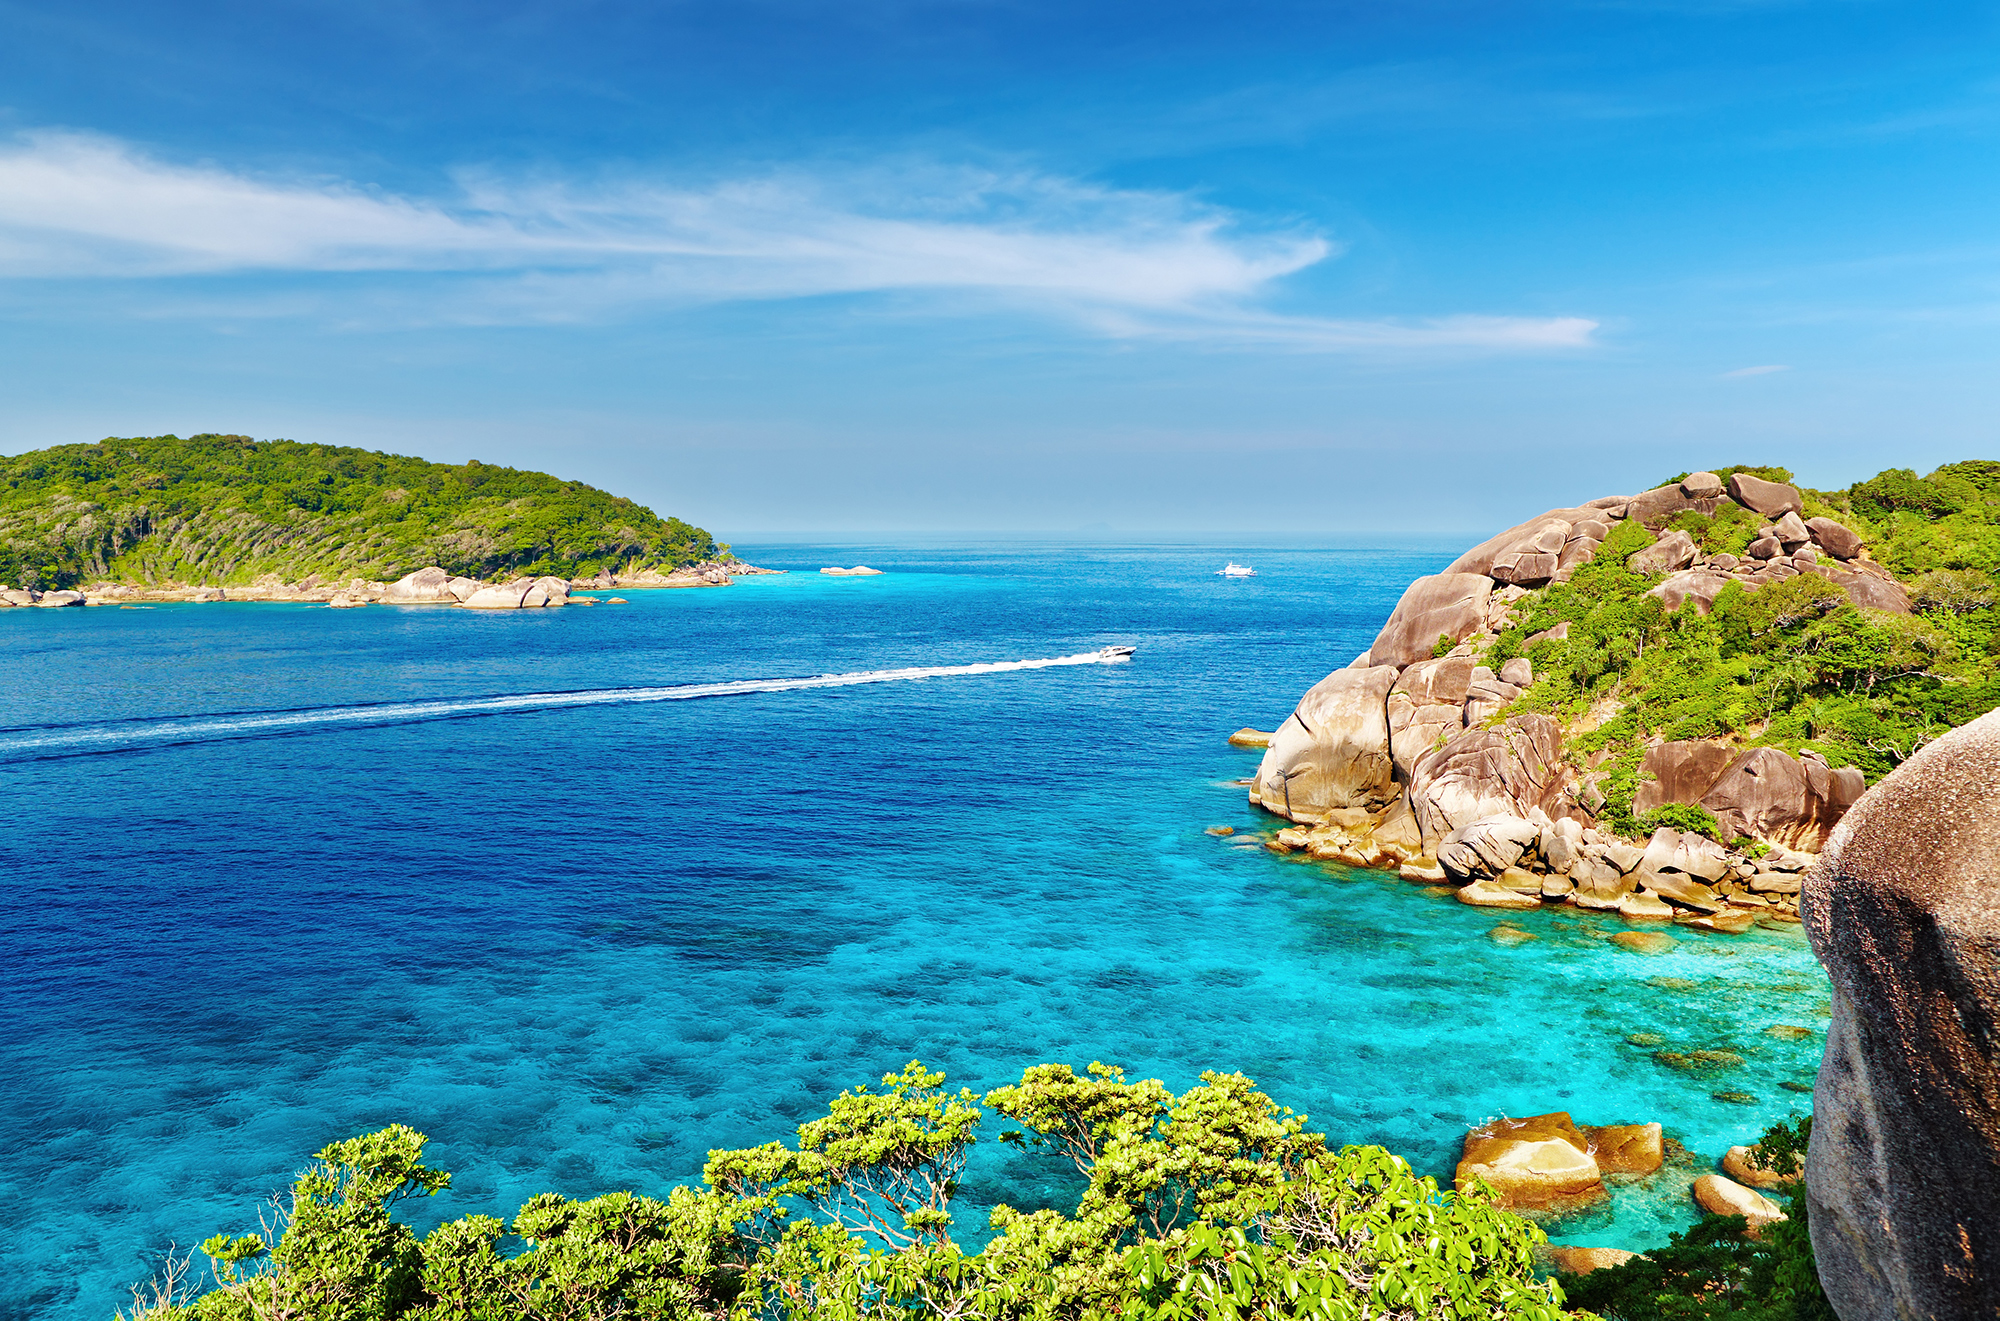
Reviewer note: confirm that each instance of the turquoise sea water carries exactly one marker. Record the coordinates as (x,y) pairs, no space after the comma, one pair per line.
(581,944)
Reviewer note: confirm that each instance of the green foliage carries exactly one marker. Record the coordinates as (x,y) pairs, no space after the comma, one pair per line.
(1714,1270)
(227,509)
(1443,646)
(1791,664)
(1215,1203)
(1684,817)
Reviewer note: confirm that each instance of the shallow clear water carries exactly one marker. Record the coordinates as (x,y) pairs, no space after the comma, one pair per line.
(581,943)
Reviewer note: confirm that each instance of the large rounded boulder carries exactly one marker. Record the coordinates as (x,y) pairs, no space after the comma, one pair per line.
(1333,750)
(1903,908)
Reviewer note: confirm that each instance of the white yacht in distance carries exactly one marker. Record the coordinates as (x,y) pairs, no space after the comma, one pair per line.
(1235,570)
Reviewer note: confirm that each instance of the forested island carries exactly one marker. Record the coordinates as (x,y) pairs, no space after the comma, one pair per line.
(229,510)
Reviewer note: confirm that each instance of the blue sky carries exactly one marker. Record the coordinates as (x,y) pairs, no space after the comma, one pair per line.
(1015,265)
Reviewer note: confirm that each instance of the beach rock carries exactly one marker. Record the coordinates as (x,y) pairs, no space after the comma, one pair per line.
(1673,550)
(1775,883)
(1681,772)
(461,588)
(424,587)
(65,597)
(1247,737)
(1488,846)
(1511,769)
(1598,883)
(1836,539)
(1683,890)
(1670,850)
(1736,1164)
(1520,881)
(499,596)
(1645,906)
(1416,730)
(18,596)
(1701,486)
(1562,844)
(1696,585)
(1628,1148)
(346,601)
(1422,871)
(858,571)
(1726,1197)
(1537,1164)
(1726,919)
(1625,857)
(1903,909)
(1766,793)
(1444,604)
(1491,894)
(1582,1261)
(1333,750)
(1767,498)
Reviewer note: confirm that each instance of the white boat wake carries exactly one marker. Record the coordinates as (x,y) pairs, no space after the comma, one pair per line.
(123,735)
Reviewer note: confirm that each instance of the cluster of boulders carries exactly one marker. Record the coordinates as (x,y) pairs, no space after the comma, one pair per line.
(23,596)
(1397,760)
(1551,1166)
(427,586)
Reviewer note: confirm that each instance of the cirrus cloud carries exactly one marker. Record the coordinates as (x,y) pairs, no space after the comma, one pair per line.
(1126,263)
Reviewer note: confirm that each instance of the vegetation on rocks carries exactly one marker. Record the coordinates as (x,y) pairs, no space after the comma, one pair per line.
(1793,664)
(1715,1270)
(229,509)
(1215,1203)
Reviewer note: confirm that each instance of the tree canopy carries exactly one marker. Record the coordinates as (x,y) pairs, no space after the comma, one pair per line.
(228,509)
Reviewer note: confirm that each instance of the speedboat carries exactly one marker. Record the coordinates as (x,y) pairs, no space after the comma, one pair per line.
(1116,653)
(1235,570)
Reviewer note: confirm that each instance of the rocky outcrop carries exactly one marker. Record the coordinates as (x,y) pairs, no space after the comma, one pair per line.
(521,594)
(1726,1197)
(1333,750)
(1771,499)
(1450,604)
(1511,770)
(1680,772)
(1548,1164)
(1903,1174)
(1247,737)
(432,586)
(1582,1261)
(1771,795)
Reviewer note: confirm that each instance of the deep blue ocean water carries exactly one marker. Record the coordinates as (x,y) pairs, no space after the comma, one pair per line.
(581,946)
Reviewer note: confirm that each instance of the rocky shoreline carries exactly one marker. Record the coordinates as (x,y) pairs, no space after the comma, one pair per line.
(426,586)
(1406,760)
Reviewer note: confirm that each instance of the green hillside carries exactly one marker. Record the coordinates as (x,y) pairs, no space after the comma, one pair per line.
(229,509)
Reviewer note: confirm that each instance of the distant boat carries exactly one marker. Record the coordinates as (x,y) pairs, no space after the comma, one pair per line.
(1235,570)
(1116,653)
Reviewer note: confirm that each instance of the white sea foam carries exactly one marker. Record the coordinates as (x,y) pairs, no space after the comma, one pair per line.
(71,740)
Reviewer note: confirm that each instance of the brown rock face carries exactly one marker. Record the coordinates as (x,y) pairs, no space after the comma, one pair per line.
(1333,751)
(1247,737)
(1683,772)
(1903,908)
(1582,1261)
(1489,772)
(1771,499)
(1628,1148)
(1450,604)
(1768,794)
(1836,539)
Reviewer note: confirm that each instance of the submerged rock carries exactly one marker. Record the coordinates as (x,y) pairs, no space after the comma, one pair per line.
(1537,1164)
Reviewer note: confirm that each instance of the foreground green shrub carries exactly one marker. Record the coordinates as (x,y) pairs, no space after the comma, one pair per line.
(1213,1204)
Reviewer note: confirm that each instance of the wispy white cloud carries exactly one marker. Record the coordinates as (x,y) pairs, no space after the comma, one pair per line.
(1127,263)
(1765,370)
